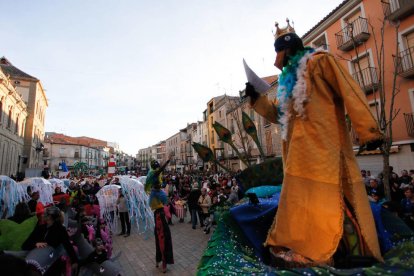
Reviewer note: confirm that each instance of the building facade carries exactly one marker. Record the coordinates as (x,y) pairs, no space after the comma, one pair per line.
(226,110)
(144,158)
(199,136)
(60,148)
(352,32)
(161,152)
(172,146)
(13,117)
(33,94)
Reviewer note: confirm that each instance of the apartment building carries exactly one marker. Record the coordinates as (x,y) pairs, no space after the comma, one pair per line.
(60,148)
(172,146)
(352,32)
(33,94)
(13,116)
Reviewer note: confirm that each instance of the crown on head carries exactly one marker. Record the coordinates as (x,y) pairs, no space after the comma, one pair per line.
(282,31)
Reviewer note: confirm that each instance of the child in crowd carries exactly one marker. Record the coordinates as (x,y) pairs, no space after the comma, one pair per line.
(99,255)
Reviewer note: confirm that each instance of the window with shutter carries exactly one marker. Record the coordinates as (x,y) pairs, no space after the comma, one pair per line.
(351,22)
(362,71)
(9,121)
(375,109)
(409,40)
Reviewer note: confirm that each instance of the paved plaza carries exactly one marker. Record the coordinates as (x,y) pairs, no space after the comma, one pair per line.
(138,251)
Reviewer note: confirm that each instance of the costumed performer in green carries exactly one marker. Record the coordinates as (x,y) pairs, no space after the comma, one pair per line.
(157,199)
(322,185)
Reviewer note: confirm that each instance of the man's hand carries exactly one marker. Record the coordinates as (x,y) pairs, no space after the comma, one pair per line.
(373,145)
(252,93)
(41,245)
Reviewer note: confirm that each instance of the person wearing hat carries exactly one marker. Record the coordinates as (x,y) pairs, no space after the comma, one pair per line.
(314,93)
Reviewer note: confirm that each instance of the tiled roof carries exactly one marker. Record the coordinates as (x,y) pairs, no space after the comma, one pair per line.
(13,71)
(58,138)
(326,17)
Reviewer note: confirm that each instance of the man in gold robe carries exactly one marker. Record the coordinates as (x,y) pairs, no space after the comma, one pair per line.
(322,181)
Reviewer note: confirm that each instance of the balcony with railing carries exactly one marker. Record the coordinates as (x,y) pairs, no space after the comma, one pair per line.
(409,123)
(354,34)
(404,63)
(367,79)
(397,9)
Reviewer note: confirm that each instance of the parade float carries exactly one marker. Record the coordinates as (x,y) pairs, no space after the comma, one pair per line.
(236,246)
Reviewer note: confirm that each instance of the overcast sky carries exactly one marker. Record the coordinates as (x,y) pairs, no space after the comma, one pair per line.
(135,72)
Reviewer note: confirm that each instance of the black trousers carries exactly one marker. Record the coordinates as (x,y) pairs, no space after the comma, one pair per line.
(125,222)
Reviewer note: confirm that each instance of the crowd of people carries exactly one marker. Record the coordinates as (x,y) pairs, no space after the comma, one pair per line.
(199,194)
(194,195)
(72,218)
(401,189)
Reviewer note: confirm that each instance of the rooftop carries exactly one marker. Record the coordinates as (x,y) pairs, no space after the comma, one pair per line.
(326,18)
(58,138)
(14,72)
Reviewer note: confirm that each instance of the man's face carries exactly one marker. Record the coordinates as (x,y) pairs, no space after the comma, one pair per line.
(280,56)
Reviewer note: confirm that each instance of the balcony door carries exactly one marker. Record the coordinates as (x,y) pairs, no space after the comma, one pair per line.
(352,29)
(408,55)
(362,71)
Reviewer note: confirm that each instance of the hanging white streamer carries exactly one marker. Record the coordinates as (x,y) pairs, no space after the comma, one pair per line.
(56,182)
(107,197)
(137,202)
(11,194)
(41,185)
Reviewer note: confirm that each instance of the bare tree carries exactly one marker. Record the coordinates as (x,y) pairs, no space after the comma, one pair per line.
(384,95)
(243,140)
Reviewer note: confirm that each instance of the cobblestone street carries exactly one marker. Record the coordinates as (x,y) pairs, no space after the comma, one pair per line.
(138,251)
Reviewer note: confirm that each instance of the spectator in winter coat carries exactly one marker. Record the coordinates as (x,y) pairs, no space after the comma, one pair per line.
(193,204)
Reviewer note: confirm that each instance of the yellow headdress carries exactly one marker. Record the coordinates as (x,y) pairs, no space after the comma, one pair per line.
(282,31)
(287,38)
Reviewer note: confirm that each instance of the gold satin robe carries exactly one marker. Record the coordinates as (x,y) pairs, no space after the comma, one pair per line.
(319,164)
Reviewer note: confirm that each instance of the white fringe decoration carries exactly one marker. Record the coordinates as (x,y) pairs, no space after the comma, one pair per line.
(299,96)
(137,202)
(11,193)
(56,182)
(107,197)
(41,185)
